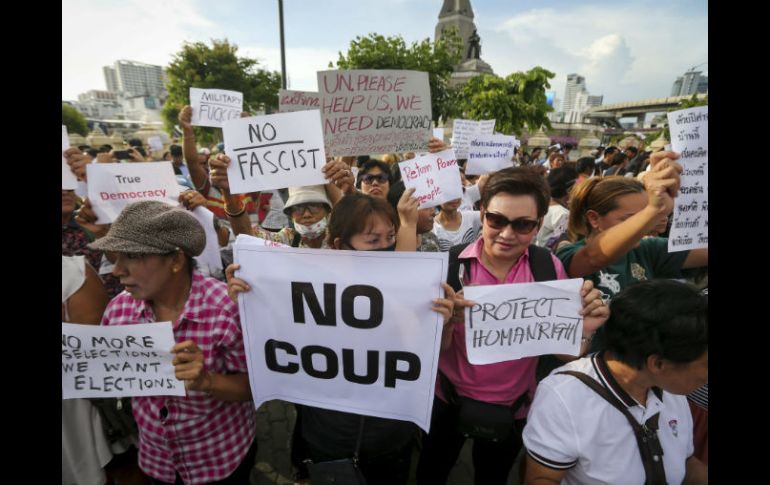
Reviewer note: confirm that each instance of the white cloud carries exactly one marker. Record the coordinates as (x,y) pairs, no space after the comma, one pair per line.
(302,63)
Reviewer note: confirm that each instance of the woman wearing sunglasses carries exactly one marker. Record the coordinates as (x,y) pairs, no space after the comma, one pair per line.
(374,179)
(513,204)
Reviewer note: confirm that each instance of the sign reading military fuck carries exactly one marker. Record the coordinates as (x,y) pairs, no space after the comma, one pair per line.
(112,186)
(319,331)
(520,320)
(375,111)
(212,107)
(274,151)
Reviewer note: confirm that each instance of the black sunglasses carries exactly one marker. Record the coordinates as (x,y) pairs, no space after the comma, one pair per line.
(380,177)
(520,226)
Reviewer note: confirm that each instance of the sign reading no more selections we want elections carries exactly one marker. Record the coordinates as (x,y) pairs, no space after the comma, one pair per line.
(112,186)
(274,151)
(375,111)
(523,320)
(212,107)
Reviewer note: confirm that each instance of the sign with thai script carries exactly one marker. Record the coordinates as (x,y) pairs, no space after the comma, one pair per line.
(289,101)
(490,153)
(463,131)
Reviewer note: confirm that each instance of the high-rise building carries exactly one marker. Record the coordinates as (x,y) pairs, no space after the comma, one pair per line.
(100,105)
(592,101)
(577,100)
(135,78)
(690,83)
(575,84)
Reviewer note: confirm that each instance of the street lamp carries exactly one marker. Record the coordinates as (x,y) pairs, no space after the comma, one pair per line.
(283,51)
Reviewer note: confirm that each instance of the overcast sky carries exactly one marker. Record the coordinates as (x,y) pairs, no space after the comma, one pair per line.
(626,50)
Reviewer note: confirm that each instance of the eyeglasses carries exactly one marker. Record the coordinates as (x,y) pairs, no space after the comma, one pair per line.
(380,177)
(299,209)
(519,226)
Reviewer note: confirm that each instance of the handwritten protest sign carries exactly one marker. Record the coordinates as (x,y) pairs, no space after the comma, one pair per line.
(463,131)
(274,151)
(435,176)
(289,101)
(112,186)
(68,179)
(212,107)
(209,261)
(155,143)
(489,153)
(523,320)
(321,332)
(690,138)
(119,361)
(375,111)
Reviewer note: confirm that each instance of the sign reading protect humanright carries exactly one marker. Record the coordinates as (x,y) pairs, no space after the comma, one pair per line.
(523,320)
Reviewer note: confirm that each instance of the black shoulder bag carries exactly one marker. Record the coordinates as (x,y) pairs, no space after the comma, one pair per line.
(646,434)
(339,472)
(478,419)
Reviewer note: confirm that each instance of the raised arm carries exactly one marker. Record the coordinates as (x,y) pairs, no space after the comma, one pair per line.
(194,160)
(234,205)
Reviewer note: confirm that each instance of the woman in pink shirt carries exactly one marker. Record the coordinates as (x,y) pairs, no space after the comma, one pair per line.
(513,204)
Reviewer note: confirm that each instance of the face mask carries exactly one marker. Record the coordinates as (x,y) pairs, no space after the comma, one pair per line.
(312,231)
(392,247)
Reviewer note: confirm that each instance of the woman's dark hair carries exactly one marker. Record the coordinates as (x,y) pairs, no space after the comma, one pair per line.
(586,165)
(561,180)
(657,317)
(369,165)
(518,181)
(353,213)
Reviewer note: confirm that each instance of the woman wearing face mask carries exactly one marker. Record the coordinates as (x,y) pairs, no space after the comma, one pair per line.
(363,223)
(308,207)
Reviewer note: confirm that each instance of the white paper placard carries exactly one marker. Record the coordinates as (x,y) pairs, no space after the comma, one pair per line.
(436,177)
(289,101)
(463,131)
(212,107)
(489,153)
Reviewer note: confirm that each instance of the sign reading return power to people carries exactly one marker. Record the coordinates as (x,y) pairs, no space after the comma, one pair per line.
(320,331)
(523,320)
(112,186)
(375,111)
(120,361)
(274,151)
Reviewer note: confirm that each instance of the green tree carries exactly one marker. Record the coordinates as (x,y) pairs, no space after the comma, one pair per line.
(515,101)
(436,58)
(73,120)
(217,67)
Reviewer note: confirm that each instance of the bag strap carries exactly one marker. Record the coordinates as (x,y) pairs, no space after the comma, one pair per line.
(541,264)
(454,279)
(358,440)
(296,239)
(450,393)
(646,435)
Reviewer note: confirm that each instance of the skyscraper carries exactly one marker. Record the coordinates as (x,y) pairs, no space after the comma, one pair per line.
(575,84)
(135,78)
(690,83)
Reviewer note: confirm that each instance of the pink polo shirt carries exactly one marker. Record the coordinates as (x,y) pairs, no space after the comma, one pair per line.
(503,382)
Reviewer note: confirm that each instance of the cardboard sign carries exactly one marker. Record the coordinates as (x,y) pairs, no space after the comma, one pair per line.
(489,153)
(523,320)
(68,179)
(274,151)
(212,107)
(375,111)
(289,101)
(320,331)
(690,138)
(112,186)
(119,361)
(463,131)
(435,176)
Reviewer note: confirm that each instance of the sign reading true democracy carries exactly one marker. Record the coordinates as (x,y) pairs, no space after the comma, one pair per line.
(119,361)
(274,151)
(112,186)
(435,176)
(320,331)
(212,107)
(375,111)
(523,320)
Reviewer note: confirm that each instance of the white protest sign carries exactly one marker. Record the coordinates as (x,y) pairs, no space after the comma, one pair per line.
(155,143)
(690,138)
(245,239)
(112,186)
(463,131)
(375,111)
(209,261)
(289,101)
(489,153)
(119,361)
(435,176)
(438,133)
(274,151)
(68,179)
(212,107)
(523,320)
(320,331)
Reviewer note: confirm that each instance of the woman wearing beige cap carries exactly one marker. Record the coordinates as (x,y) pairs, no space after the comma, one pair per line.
(207,436)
